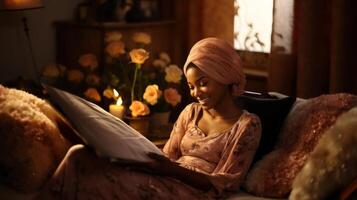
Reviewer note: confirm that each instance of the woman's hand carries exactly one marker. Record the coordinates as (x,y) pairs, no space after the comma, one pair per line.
(164,166)
(161,165)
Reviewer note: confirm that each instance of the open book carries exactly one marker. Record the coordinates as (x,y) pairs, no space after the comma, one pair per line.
(107,135)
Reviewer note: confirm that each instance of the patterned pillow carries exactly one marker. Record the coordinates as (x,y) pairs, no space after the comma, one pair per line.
(332,164)
(307,121)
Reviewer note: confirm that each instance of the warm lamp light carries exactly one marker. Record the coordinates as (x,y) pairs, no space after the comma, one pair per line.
(18,5)
(22,4)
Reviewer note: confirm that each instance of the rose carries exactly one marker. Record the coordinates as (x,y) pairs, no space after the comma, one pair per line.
(93,94)
(139,56)
(172,96)
(173,74)
(165,57)
(88,60)
(75,76)
(115,49)
(138,108)
(152,94)
(112,36)
(141,37)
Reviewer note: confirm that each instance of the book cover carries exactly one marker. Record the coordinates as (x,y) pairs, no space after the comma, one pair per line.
(108,135)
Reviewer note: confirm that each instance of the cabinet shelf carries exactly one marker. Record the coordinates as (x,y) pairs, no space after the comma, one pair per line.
(75,39)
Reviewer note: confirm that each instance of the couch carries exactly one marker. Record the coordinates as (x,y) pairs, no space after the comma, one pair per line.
(285,156)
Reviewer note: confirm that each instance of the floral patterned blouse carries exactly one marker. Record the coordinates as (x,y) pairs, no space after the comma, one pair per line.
(225,156)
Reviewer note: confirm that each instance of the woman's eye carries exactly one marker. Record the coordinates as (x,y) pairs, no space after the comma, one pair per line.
(202,83)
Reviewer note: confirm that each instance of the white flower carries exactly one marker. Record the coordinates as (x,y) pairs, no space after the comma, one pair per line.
(93,94)
(159,63)
(172,96)
(141,37)
(88,61)
(115,49)
(152,94)
(138,56)
(138,108)
(173,74)
(75,76)
(165,57)
(112,36)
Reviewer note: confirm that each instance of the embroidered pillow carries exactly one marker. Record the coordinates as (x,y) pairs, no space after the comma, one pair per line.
(332,164)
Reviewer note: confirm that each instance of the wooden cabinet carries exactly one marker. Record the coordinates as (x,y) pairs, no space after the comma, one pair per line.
(75,39)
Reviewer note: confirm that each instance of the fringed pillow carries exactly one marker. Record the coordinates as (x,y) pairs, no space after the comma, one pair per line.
(307,121)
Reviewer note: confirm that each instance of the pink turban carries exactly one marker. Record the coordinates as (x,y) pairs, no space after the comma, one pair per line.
(218,60)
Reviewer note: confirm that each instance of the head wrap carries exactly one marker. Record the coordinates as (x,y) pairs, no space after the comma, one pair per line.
(219,61)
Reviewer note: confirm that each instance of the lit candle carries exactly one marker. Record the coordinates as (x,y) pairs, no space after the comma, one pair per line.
(117,109)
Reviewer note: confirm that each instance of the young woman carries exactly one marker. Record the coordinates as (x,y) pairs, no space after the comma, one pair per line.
(209,151)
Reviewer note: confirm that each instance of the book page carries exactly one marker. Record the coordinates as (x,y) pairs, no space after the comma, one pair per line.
(108,135)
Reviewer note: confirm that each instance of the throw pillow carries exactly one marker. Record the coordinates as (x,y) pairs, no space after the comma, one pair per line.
(332,164)
(306,122)
(31,143)
(272,112)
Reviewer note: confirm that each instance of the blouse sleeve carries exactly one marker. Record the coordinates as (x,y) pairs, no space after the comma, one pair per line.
(172,147)
(237,155)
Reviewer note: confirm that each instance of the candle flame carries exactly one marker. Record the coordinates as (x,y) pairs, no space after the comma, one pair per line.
(116,93)
(119,101)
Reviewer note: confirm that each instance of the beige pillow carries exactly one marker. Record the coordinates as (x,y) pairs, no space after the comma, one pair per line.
(307,121)
(333,163)
(31,144)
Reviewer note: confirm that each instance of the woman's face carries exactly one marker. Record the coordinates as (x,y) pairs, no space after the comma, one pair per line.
(208,92)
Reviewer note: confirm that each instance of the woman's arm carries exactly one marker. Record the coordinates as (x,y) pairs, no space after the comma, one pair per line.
(163,166)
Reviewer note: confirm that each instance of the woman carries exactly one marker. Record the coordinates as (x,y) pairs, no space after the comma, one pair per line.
(209,151)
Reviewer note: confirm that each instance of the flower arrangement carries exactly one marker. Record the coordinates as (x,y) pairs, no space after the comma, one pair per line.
(144,87)
(83,80)
(164,78)
(151,87)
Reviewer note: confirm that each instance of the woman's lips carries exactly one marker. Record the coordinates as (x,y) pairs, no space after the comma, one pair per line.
(203,101)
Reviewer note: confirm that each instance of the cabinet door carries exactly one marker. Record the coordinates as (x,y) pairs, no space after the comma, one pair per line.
(74,41)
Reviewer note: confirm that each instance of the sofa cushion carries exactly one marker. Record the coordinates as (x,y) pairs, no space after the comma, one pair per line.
(332,164)
(306,122)
(31,143)
(272,112)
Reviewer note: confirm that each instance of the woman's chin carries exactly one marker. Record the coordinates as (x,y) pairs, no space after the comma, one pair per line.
(205,106)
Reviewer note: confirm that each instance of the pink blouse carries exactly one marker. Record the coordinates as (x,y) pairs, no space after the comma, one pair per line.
(225,156)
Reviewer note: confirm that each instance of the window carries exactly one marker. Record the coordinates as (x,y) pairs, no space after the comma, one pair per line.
(253,25)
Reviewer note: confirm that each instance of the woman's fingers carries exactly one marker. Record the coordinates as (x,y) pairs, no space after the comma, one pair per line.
(157,157)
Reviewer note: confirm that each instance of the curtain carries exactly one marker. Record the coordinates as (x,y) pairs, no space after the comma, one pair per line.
(312,47)
(207,18)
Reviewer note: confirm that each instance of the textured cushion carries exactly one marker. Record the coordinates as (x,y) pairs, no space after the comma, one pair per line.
(31,143)
(272,112)
(306,122)
(332,164)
